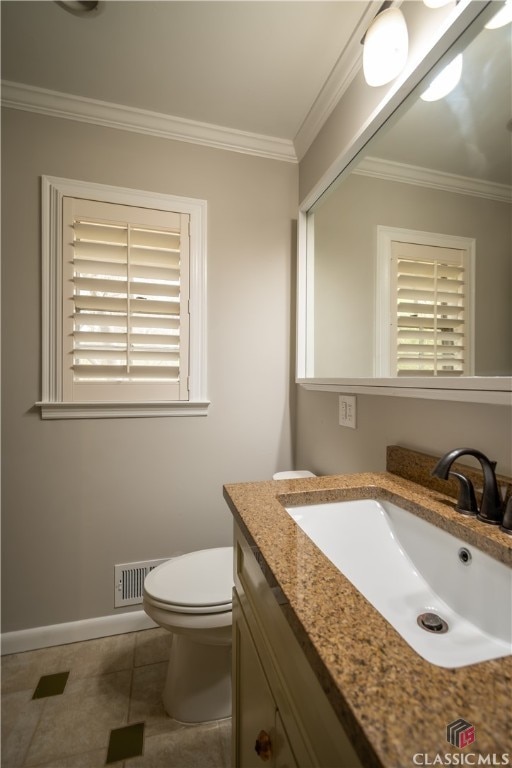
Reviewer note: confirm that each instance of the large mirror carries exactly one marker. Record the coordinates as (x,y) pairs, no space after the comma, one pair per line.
(409,256)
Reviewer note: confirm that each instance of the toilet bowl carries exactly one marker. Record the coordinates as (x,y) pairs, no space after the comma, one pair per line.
(190,596)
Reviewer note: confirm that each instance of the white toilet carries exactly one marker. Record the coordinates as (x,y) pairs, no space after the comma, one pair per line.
(190,596)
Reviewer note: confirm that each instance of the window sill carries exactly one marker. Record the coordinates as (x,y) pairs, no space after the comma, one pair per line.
(102,410)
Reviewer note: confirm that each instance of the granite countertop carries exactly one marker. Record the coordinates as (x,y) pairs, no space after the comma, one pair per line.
(392,703)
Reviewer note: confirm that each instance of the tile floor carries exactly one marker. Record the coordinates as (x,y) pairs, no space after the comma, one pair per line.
(107,708)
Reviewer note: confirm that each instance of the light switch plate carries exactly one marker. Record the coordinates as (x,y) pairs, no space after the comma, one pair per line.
(347,411)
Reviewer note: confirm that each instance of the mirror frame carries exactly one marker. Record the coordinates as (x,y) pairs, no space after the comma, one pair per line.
(467,21)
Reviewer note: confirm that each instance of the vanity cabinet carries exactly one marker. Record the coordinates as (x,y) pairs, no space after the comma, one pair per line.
(260,731)
(279,708)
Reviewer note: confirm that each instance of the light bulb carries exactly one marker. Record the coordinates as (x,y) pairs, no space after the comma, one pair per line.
(385,47)
(445,81)
(79,7)
(437,3)
(504,16)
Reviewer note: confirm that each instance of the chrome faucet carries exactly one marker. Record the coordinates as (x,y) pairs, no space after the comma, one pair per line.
(491,506)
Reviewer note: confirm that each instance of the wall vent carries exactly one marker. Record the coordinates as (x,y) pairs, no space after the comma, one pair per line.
(129,581)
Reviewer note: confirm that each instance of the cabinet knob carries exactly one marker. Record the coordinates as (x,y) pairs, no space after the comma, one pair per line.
(263,746)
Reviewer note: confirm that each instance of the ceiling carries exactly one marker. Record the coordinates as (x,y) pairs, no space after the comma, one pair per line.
(257,67)
(234,72)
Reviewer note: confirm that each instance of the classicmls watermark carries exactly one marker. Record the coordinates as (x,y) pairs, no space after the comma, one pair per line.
(460,734)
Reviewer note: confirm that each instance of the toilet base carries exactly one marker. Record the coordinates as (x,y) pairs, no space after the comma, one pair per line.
(198,684)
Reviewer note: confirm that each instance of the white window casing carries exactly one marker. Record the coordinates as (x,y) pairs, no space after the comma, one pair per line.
(425,304)
(124,302)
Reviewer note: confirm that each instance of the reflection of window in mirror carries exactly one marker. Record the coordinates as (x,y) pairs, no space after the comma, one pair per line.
(425,304)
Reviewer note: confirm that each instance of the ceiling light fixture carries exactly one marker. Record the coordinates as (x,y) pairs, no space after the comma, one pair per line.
(386,46)
(504,16)
(78,7)
(438,3)
(445,81)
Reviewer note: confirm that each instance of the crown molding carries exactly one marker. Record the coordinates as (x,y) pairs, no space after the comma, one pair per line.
(343,73)
(424,177)
(63,105)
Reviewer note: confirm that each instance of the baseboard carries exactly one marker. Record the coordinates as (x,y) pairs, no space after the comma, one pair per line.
(74,631)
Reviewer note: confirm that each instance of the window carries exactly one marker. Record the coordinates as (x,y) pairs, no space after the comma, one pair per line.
(426,304)
(123,302)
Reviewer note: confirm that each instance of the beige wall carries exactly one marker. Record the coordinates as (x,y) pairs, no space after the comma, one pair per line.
(80,496)
(425,425)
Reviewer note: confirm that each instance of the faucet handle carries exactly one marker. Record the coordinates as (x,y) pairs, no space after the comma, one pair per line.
(506,525)
(466,503)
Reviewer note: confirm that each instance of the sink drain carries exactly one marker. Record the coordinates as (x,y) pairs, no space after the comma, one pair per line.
(431,622)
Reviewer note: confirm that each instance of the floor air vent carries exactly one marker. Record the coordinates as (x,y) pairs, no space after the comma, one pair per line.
(129,581)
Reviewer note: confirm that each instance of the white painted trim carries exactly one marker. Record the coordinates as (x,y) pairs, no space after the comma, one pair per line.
(495,391)
(74,631)
(54,189)
(474,383)
(424,177)
(343,73)
(51,283)
(42,101)
(102,410)
(305,353)
(302,343)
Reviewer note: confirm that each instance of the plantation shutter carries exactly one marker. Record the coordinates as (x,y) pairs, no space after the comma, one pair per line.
(429,318)
(125,313)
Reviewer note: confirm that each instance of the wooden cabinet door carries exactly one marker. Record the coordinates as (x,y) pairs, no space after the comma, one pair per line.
(254,709)
(284,756)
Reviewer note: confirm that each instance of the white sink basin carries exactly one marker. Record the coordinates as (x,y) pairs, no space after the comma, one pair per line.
(406,567)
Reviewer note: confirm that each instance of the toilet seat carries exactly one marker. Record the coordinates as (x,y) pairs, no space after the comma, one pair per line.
(200,582)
